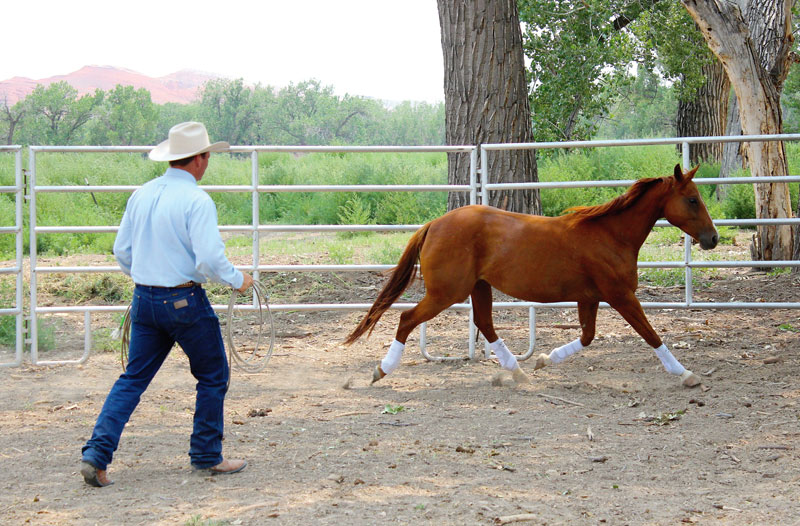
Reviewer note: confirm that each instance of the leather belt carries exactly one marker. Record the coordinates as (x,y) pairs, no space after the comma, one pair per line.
(181,286)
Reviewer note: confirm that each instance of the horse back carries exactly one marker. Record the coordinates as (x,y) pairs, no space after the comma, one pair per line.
(535,258)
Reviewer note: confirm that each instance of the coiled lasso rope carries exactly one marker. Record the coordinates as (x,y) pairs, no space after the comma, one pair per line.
(251,365)
(255,363)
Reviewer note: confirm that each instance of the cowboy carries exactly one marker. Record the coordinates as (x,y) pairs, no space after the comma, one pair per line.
(169,243)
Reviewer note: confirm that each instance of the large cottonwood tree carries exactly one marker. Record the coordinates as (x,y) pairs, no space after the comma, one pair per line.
(486,96)
(753,40)
(127,116)
(581,54)
(56,114)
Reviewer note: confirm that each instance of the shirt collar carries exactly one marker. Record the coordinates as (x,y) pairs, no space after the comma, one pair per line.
(180,174)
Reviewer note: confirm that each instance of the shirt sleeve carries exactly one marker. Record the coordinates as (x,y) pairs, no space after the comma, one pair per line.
(122,244)
(209,250)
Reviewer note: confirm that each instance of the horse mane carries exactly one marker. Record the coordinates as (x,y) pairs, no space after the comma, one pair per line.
(620,203)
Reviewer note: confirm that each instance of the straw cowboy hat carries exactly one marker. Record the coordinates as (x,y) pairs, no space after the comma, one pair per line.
(186,140)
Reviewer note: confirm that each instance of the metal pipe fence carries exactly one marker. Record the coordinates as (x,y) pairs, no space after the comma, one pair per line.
(18,189)
(477,189)
(256,229)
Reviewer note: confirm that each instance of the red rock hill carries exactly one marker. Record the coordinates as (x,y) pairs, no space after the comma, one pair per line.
(180,87)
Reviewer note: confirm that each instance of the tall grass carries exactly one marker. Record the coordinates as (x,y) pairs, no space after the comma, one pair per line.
(235,208)
(7,206)
(619,163)
(353,169)
(599,164)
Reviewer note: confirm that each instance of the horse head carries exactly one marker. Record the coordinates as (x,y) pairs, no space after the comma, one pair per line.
(685,209)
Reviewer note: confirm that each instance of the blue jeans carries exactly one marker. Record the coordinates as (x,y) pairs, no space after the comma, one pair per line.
(159,318)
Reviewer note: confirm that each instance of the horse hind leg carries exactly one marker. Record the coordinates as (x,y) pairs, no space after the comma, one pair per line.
(482,314)
(425,310)
(482,310)
(587,315)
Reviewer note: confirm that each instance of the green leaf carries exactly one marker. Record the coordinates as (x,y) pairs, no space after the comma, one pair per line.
(666,418)
(392,409)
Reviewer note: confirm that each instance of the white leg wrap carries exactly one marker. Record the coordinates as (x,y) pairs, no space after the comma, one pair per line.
(669,362)
(392,358)
(565,351)
(507,360)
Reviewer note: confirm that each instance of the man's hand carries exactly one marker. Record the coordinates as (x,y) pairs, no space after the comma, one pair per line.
(247,283)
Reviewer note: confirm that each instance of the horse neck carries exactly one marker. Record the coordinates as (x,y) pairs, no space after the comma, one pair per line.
(632,225)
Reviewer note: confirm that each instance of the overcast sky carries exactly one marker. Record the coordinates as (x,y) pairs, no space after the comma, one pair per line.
(387,49)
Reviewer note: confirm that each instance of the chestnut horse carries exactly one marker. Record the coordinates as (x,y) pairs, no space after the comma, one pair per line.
(586,256)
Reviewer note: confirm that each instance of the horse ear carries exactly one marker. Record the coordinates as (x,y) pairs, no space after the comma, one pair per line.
(678,174)
(683,177)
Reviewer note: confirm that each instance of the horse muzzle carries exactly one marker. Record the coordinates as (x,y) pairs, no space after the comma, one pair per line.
(708,240)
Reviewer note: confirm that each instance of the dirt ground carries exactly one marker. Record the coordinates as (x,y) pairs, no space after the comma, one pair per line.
(606,437)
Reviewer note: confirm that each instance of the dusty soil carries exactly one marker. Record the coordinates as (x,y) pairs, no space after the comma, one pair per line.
(605,438)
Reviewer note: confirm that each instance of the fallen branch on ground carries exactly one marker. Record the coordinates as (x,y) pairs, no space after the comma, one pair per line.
(544,395)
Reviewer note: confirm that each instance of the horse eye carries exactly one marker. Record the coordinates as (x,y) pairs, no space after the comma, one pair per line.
(692,200)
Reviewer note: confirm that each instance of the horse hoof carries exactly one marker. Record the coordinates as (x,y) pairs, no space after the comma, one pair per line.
(519,376)
(377,374)
(497,379)
(542,361)
(689,379)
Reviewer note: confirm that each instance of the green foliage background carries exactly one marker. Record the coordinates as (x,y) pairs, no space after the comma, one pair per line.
(303,113)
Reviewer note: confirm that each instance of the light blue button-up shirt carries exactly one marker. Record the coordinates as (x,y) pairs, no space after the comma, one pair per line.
(169,235)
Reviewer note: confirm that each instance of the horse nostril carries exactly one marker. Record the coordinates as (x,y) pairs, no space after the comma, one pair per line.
(715,239)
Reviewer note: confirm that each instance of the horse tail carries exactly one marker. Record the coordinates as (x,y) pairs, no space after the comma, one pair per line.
(402,275)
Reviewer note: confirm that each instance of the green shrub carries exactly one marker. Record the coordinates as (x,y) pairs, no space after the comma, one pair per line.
(355,212)
(622,163)
(739,202)
(8,217)
(7,168)
(353,169)
(8,331)
(45,335)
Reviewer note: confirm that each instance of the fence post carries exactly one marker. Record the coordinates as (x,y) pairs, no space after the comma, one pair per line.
(33,332)
(256,220)
(687,240)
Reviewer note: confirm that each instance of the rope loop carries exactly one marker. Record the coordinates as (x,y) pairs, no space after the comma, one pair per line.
(255,363)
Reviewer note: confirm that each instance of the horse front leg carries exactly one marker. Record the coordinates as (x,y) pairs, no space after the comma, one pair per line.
(630,309)
(587,315)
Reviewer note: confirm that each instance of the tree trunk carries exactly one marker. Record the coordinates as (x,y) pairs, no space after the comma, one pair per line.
(732,159)
(486,97)
(796,253)
(12,119)
(756,58)
(705,115)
